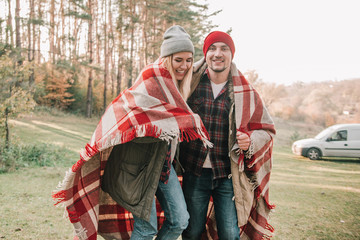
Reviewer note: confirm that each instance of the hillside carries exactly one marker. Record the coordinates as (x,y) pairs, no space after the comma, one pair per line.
(319,103)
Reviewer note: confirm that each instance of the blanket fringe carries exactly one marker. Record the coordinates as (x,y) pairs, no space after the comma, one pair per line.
(270,206)
(81,233)
(266,237)
(271,230)
(266,200)
(254,160)
(190,134)
(59,195)
(85,154)
(269,227)
(147,130)
(78,165)
(254,183)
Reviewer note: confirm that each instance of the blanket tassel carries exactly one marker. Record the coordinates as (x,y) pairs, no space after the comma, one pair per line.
(59,197)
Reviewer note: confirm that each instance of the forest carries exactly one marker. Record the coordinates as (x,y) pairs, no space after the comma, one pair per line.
(78,55)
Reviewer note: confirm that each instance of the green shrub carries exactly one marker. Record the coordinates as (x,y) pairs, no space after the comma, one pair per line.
(40,155)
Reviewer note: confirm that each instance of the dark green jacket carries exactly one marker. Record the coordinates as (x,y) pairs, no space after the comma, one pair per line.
(132,174)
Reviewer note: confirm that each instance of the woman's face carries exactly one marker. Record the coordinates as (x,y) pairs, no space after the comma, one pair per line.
(181,62)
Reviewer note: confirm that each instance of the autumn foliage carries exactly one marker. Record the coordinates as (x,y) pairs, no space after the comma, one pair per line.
(321,103)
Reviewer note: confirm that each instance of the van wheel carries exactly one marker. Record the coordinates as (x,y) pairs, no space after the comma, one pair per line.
(314,154)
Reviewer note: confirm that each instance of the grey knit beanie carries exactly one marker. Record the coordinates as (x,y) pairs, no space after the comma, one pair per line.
(176,39)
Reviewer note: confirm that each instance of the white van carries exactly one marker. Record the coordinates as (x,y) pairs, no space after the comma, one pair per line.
(341,140)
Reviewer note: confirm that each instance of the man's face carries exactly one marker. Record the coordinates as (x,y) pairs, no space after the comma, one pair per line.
(218,57)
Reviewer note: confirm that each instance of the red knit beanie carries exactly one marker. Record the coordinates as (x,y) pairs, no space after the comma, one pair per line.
(218,36)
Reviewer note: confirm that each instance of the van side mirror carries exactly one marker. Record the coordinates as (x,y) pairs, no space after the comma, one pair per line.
(328,139)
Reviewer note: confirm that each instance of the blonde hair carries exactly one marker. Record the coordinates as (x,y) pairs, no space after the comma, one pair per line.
(183,85)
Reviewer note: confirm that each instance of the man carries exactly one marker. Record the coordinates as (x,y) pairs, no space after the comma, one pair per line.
(235,172)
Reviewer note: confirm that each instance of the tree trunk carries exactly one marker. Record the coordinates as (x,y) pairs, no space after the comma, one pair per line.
(39,35)
(145,36)
(97,35)
(34,36)
(31,51)
(119,77)
(106,67)
(90,79)
(112,72)
(7,139)
(132,29)
(111,52)
(9,27)
(75,36)
(61,41)
(52,31)
(69,50)
(76,27)
(29,31)
(17,31)
(120,50)
(154,32)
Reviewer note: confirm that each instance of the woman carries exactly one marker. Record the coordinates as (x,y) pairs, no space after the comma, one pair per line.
(132,148)
(177,58)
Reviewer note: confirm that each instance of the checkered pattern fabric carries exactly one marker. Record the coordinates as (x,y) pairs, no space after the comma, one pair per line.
(152,107)
(215,116)
(165,173)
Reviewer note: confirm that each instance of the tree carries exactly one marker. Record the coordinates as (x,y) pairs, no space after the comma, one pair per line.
(52,31)
(31,33)
(17,32)
(57,85)
(14,100)
(120,49)
(131,26)
(90,77)
(38,33)
(9,27)
(19,101)
(106,53)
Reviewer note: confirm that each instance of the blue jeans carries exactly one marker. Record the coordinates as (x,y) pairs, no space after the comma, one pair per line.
(197,192)
(171,199)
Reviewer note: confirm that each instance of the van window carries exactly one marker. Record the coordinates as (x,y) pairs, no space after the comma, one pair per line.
(354,135)
(339,136)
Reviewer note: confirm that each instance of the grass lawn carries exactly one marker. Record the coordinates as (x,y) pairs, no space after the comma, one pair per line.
(314,199)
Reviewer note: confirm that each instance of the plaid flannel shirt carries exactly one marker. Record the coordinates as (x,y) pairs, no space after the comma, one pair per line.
(215,116)
(165,172)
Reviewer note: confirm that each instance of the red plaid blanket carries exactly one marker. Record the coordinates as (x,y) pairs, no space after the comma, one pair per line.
(152,107)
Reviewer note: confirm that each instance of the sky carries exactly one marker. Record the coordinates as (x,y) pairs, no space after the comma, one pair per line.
(289,41)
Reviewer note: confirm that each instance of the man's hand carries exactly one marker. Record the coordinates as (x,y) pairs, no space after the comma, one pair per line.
(243,140)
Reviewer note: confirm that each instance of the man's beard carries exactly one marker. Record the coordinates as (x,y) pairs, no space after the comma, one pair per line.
(218,70)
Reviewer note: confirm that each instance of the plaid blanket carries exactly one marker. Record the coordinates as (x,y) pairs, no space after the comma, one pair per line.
(152,107)
(251,117)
